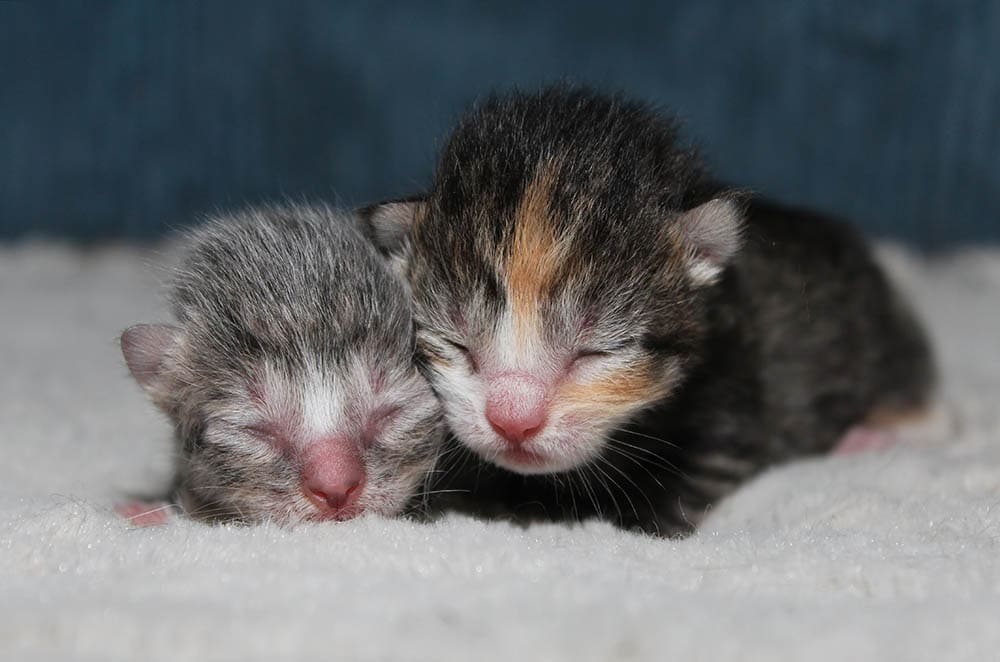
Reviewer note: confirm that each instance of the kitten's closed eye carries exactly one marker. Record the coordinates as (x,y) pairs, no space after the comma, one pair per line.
(379,420)
(271,434)
(466,353)
(589,355)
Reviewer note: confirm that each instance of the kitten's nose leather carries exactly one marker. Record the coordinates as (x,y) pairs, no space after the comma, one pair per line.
(333,477)
(333,497)
(516,406)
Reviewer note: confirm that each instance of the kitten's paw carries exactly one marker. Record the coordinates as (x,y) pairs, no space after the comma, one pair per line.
(145,513)
(863,439)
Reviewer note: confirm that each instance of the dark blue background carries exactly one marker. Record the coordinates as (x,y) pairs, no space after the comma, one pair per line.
(121,119)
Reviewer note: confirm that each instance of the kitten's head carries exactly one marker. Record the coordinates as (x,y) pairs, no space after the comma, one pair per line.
(557,268)
(289,375)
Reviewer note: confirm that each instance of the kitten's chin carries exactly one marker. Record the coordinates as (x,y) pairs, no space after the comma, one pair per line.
(523,461)
(531,461)
(559,452)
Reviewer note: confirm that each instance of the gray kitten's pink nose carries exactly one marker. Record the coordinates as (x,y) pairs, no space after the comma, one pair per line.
(333,478)
(334,497)
(516,406)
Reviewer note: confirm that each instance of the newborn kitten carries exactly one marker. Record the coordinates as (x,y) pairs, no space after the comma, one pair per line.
(614,335)
(289,376)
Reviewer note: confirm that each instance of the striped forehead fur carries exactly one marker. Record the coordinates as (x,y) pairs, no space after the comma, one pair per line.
(536,255)
(287,278)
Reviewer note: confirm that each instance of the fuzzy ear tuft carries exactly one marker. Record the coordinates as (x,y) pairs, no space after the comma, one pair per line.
(388,224)
(712,234)
(146,348)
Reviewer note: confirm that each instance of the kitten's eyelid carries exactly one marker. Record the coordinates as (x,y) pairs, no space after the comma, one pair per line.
(588,357)
(608,350)
(589,353)
(267,433)
(386,413)
(381,420)
(435,340)
(466,352)
(457,345)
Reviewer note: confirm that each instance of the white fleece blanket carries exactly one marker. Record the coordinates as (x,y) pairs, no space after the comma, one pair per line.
(882,556)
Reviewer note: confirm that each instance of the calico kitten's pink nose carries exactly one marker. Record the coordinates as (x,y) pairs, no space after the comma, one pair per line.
(516,406)
(333,478)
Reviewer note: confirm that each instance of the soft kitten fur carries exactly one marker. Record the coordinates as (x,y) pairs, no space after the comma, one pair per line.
(575,265)
(293,346)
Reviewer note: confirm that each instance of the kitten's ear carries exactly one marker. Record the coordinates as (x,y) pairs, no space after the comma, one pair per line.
(711,235)
(147,349)
(388,224)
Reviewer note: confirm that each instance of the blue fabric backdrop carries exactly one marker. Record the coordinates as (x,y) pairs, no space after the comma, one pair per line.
(122,119)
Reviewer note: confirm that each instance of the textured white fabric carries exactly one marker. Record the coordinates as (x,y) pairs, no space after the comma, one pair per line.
(882,556)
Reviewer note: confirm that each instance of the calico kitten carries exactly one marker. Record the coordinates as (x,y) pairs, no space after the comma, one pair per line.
(289,375)
(614,335)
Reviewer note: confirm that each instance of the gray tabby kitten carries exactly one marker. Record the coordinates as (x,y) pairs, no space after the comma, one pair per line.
(289,375)
(615,335)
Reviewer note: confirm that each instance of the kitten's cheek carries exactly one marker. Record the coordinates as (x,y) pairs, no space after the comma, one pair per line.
(475,434)
(579,434)
(563,421)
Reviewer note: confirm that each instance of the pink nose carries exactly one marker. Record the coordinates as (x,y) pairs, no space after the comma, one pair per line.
(516,406)
(333,477)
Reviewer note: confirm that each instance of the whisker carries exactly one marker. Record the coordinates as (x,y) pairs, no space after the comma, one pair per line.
(451,491)
(657,459)
(631,480)
(206,488)
(647,436)
(585,476)
(572,496)
(618,485)
(638,462)
(598,475)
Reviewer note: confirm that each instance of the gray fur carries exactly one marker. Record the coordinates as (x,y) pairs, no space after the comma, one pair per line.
(293,292)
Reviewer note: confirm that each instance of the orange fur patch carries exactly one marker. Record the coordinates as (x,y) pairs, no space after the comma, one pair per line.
(536,253)
(616,393)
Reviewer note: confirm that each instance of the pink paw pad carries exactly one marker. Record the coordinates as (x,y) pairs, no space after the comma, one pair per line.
(145,513)
(863,439)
